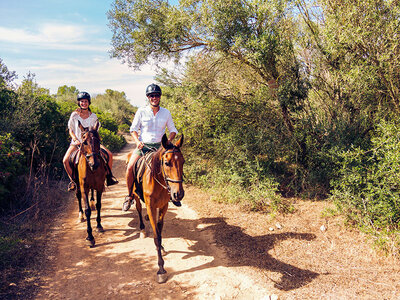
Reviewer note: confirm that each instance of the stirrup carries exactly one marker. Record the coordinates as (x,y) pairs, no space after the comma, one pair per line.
(127,204)
(71,186)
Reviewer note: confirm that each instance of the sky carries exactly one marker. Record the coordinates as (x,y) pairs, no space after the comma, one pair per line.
(67,43)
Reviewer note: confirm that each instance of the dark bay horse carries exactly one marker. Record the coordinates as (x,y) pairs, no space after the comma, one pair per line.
(91,174)
(161,181)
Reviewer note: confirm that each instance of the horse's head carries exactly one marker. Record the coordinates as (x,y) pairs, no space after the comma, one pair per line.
(172,167)
(91,145)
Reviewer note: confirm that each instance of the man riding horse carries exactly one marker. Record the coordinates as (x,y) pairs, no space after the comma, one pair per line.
(147,129)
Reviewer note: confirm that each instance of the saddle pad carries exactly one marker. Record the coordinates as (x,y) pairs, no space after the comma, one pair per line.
(74,157)
(141,164)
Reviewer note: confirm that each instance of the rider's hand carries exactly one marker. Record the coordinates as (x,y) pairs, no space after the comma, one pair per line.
(140,145)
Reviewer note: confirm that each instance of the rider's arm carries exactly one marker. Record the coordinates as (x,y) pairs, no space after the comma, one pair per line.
(138,143)
(171,136)
(171,128)
(73,136)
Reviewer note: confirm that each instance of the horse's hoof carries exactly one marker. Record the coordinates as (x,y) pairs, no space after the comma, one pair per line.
(100,229)
(162,278)
(91,243)
(142,234)
(81,218)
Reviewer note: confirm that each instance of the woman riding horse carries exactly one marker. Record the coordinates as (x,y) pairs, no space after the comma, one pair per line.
(88,119)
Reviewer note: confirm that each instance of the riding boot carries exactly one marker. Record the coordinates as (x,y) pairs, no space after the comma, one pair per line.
(72,184)
(111,180)
(127,204)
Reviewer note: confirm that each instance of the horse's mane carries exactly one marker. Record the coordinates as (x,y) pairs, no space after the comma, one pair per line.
(156,162)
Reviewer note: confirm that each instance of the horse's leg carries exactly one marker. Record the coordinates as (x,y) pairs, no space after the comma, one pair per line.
(92,205)
(152,213)
(98,207)
(160,224)
(141,223)
(81,218)
(88,213)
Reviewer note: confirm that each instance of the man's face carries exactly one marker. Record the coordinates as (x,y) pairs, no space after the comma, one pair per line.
(154,99)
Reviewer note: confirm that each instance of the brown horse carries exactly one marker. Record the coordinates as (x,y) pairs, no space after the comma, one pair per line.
(91,174)
(161,181)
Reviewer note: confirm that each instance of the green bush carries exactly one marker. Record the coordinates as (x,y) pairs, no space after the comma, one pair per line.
(107,121)
(11,166)
(368,190)
(111,140)
(124,128)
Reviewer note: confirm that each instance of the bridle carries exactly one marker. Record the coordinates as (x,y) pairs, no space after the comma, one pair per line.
(89,155)
(166,178)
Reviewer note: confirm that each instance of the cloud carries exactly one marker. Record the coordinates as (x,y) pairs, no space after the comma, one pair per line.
(54,36)
(95,74)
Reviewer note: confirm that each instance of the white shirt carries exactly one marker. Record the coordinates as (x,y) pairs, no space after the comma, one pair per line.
(152,127)
(87,123)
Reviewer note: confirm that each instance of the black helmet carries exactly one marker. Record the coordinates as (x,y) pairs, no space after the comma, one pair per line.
(153,89)
(83,95)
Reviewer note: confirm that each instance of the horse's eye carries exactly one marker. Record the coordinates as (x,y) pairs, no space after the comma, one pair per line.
(167,163)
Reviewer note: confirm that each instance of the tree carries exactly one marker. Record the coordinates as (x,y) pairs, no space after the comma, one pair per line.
(66,94)
(256,34)
(116,104)
(6,76)
(356,55)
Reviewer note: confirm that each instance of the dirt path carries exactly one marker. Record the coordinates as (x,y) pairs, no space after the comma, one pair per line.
(124,266)
(215,252)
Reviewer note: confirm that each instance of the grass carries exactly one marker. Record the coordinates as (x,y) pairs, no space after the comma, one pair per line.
(23,240)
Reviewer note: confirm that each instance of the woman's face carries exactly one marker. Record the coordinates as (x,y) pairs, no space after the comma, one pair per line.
(84,103)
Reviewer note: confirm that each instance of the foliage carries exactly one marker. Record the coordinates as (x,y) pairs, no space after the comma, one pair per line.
(111,140)
(66,94)
(116,104)
(39,126)
(106,120)
(368,191)
(11,167)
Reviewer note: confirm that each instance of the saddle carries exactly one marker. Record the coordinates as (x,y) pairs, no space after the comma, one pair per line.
(140,166)
(138,170)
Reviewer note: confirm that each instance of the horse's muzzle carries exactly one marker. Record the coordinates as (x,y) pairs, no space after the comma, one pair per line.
(178,196)
(94,165)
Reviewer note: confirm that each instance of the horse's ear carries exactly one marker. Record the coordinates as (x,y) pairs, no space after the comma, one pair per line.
(96,126)
(179,142)
(164,141)
(80,126)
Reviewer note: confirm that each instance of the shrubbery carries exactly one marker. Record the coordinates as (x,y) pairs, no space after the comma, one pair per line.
(111,140)
(368,190)
(11,167)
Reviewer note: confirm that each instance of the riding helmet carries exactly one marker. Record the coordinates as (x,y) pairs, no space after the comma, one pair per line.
(83,95)
(153,89)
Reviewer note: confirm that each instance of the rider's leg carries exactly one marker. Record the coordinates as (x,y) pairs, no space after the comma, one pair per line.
(68,169)
(111,180)
(130,179)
